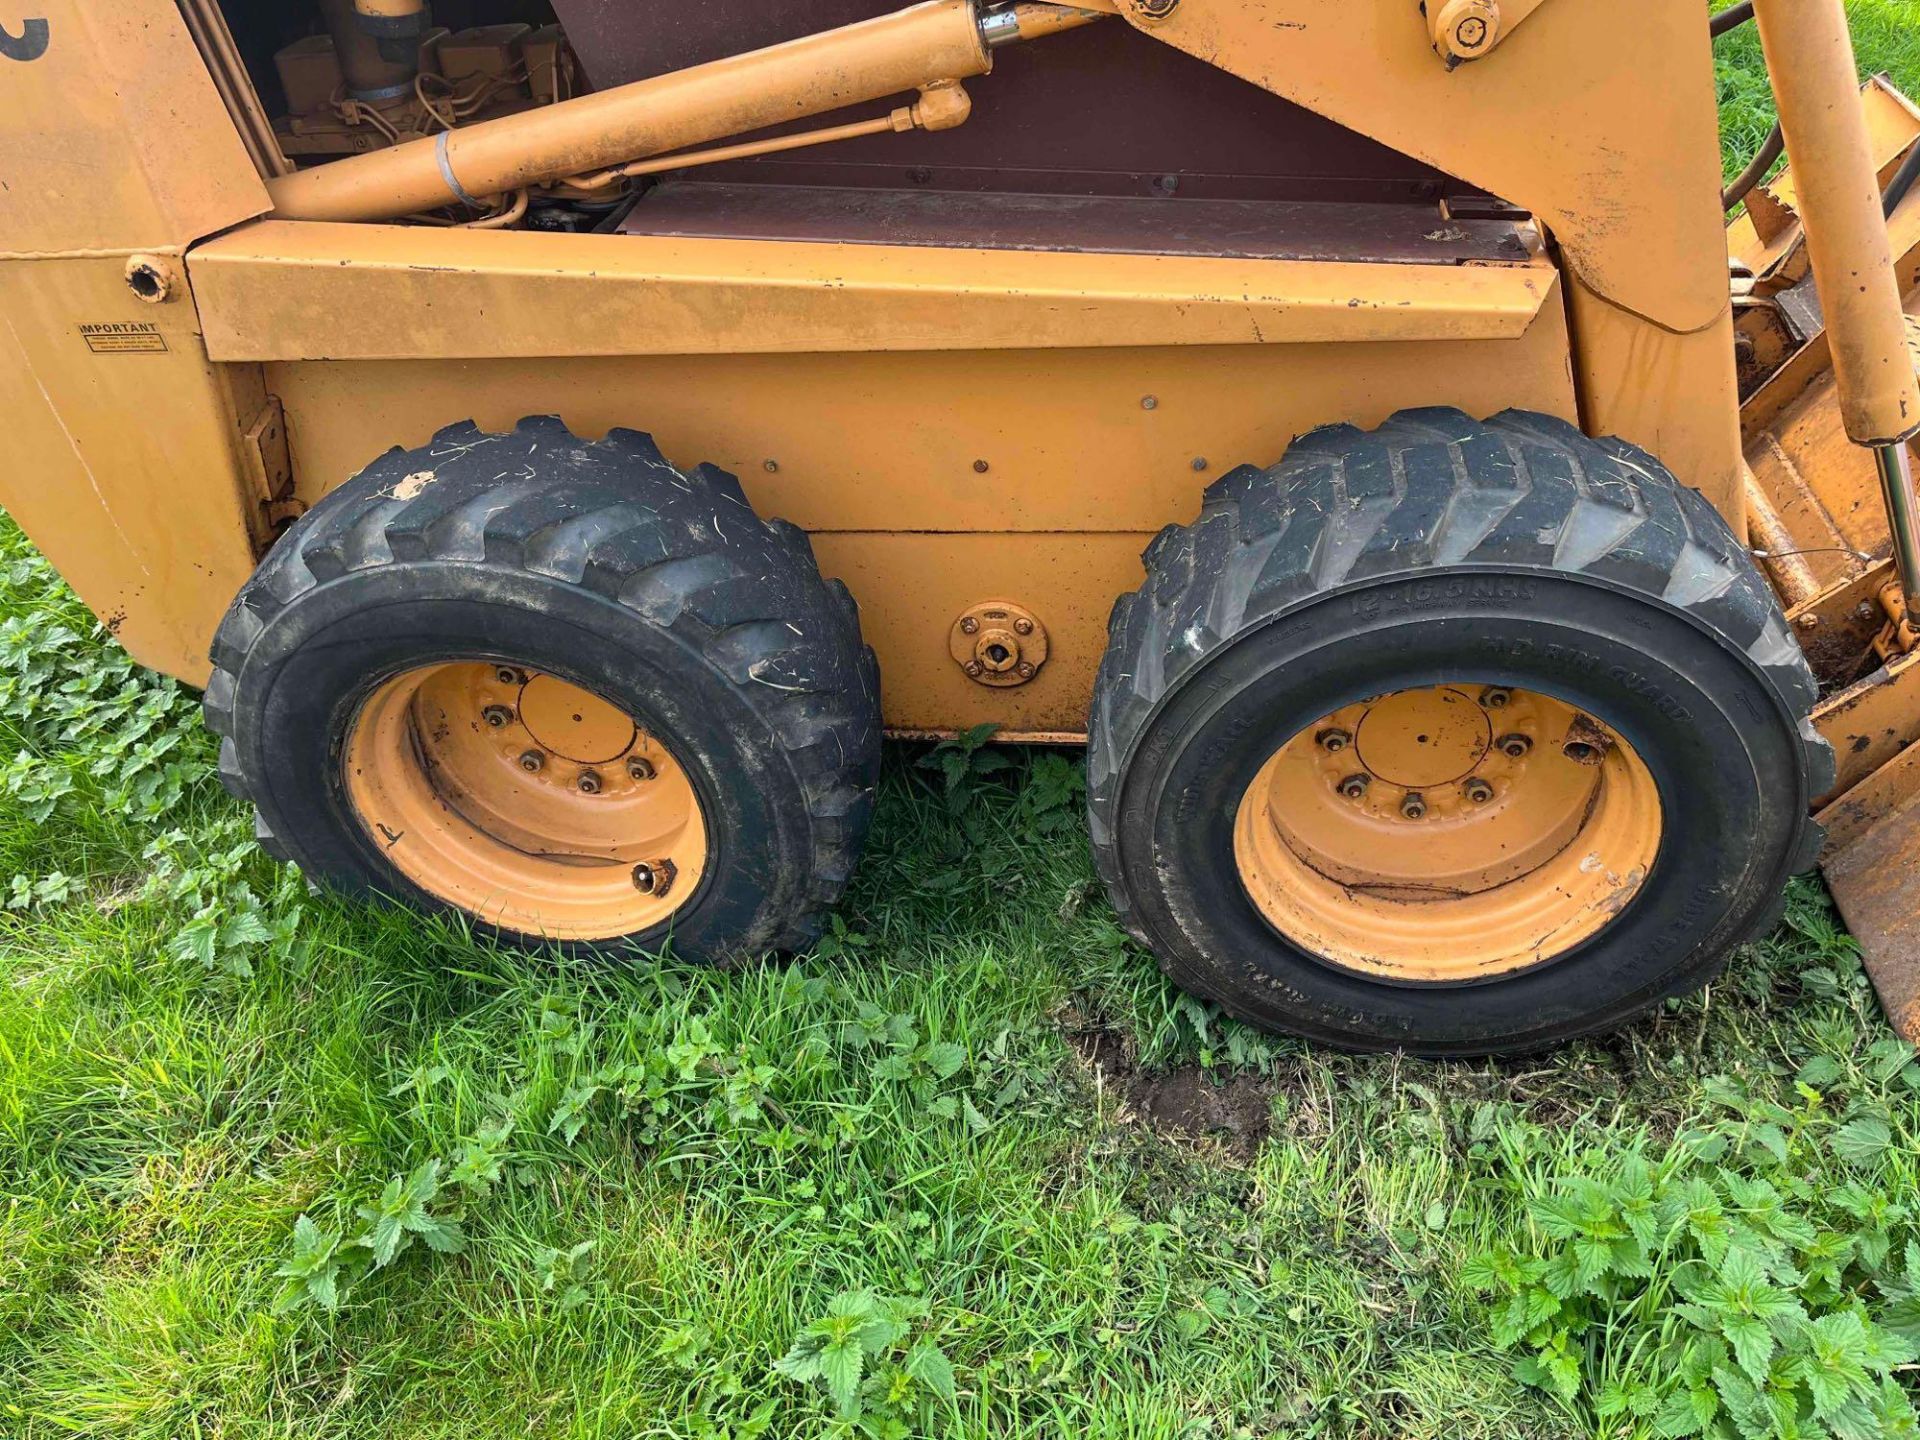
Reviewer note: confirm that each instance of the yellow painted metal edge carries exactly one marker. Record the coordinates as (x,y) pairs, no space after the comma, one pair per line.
(284,290)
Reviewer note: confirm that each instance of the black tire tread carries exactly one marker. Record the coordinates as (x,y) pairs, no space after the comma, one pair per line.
(1427,487)
(688,554)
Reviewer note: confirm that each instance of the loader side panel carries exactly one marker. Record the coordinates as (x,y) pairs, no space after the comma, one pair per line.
(933,481)
(124,447)
(122,455)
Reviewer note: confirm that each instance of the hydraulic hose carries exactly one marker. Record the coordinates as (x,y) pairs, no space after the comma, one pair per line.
(1732,19)
(1902,182)
(1771,151)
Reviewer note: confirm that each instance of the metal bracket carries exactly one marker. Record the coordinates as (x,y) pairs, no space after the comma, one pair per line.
(1464,30)
(268,463)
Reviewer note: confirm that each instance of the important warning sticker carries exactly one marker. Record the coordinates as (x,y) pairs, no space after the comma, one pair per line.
(124,337)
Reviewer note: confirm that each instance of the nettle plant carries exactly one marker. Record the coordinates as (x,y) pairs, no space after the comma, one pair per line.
(684,1086)
(92,732)
(1758,1280)
(858,1353)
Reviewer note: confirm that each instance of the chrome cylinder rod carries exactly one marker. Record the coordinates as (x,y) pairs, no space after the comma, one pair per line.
(1895,463)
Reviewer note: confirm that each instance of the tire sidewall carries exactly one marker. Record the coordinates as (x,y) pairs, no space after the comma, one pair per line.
(1708,725)
(308,673)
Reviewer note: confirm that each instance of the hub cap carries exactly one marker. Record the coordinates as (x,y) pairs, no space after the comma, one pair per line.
(1449,834)
(525,800)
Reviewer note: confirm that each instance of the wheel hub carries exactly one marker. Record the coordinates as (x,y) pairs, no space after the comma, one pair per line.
(572,723)
(525,799)
(1418,738)
(1447,833)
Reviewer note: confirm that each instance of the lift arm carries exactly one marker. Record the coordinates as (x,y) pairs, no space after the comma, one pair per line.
(923,47)
(1810,55)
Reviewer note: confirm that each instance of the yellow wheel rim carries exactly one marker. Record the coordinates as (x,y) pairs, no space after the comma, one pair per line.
(526,801)
(1449,834)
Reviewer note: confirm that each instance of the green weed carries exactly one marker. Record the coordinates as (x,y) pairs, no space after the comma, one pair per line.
(274,1165)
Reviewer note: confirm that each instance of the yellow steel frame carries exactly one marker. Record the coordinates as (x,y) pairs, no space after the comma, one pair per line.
(952,425)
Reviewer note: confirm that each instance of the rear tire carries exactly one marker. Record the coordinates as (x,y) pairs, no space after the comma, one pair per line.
(599,572)
(1433,551)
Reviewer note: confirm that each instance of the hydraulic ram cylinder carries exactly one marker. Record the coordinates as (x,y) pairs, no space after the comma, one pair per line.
(1810,55)
(876,58)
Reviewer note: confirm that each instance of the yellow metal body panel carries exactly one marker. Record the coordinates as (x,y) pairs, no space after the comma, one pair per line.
(952,425)
(123,457)
(1599,118)
(283,290)
(115,138)
(877,453)
(123,442)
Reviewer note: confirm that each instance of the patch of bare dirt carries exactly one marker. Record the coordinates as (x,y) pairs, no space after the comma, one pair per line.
(1184,1103)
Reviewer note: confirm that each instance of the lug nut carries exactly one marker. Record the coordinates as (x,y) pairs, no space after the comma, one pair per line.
(1479,791)
(1354,786)
(639,768)
(1334,741)
(1495,697)
(498,716)
(1514,745)
(507,676)
(1414,807)
(589,782)
(531,761)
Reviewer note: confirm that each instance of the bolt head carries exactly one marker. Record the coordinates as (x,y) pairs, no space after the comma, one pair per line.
(1199,464)
(980,467)
(589,782)
(1414,807)
(1150,402)
(1334,741)
(1514,745)
(1023,626)
(497,716)
(1472,33)
(532,761)
(772,467)
(640,768)
(969,626)
(1479,791)
(974,667)
(1025,670)
(1354,786)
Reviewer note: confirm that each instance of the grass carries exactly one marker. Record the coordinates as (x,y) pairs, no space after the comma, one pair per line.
(1049,1194)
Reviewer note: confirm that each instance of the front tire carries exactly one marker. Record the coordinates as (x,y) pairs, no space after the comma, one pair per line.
(560,687)
(1637,825)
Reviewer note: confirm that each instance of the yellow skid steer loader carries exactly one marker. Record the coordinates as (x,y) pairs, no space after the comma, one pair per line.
(1481,576)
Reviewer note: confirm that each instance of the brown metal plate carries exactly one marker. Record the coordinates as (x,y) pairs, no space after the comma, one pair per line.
(1413,234)
(1872,876)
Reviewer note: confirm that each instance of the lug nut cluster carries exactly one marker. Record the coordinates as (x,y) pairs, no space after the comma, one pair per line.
(1415,805)
(639,769)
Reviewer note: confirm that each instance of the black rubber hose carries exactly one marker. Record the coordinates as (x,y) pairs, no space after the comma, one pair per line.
(1771,151)
(1732,19)
(1902,182)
